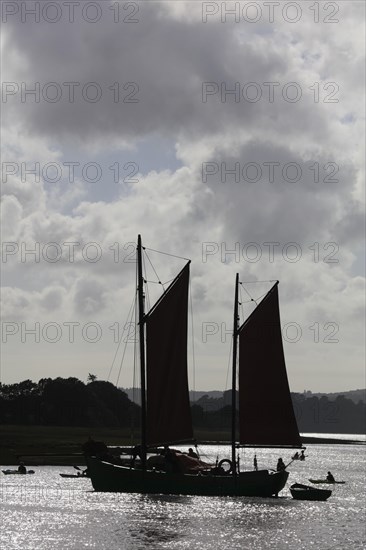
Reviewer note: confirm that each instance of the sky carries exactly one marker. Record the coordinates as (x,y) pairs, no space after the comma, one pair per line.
(230,134)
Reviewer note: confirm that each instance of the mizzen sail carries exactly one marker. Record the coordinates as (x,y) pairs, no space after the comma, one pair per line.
(168,409)
(266,413)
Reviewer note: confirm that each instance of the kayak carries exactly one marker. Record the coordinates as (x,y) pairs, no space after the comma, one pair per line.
(325,481)
(304,492)
(74,475)
(15,472)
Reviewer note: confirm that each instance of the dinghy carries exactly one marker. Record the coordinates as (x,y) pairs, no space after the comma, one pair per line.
(305,492)
(74,476)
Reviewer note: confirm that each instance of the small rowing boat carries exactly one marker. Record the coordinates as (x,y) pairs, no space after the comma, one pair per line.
(325,481)
(16,472)
(305,492)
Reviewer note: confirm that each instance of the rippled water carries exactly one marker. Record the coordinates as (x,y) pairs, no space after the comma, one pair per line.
(47,512)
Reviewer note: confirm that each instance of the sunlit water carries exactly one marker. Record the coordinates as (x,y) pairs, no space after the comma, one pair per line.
(47,512)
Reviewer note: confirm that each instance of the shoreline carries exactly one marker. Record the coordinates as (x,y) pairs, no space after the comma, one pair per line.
(330,440)
(61,445)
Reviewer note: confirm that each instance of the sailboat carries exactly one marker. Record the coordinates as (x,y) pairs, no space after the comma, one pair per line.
(266,416)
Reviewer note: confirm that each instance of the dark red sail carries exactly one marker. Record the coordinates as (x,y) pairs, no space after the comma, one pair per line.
(265,408)
(168,409)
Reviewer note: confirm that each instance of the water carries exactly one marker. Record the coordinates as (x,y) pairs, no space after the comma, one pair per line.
(45,511)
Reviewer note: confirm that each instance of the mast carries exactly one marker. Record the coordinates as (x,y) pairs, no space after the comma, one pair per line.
(140,289)
(233,391)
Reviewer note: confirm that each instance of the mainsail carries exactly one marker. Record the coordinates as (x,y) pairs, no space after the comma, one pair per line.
(266,413)
(168,409)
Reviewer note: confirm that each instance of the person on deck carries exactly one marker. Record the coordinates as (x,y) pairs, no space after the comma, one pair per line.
(302,455)
(255,462)
(280,465)
(191,453)
(296,456)
(22,469)
(330,477)
(136,452)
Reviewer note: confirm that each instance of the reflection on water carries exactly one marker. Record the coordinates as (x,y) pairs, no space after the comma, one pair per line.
(166,499)
(156,526)
(44,512)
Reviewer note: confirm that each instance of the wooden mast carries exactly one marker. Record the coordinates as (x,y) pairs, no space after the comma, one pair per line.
(140,289)
(233,391)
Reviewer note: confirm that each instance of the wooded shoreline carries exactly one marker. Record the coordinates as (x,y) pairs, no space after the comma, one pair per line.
(61,445)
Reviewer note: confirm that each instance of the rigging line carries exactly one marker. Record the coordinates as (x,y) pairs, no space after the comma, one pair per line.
(248,301)
(193,351)
(255,282)
(166,253)
(120,340)
(154,270)
(159,282)
(252,299)
(126,342)
(261,296)
(245,290)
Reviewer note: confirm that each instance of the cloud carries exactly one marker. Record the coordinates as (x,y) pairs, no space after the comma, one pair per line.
(169,58)
(82,236)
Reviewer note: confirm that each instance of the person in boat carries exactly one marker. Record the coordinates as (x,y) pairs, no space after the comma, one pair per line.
(165,451)
(280,465)
(296,456)
(255,462)
(191,453)
(136,452)
(330,477)
(302,455)
(22,469)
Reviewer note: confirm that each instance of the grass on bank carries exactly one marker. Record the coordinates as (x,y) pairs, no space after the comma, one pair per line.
(35,441)
(62,444)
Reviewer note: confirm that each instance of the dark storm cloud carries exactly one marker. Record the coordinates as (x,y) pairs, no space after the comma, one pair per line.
(167,63)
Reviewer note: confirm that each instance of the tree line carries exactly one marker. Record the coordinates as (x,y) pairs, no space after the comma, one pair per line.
(313,414)
(71,402)
(66,402)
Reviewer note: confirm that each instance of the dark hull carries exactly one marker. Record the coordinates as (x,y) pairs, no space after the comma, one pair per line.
(15,472)
(310,494)
(107,477)
(74,476)
(326,481)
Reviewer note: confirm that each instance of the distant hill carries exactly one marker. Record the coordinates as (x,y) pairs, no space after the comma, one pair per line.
(354,395)
(213,395)
(134,394)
